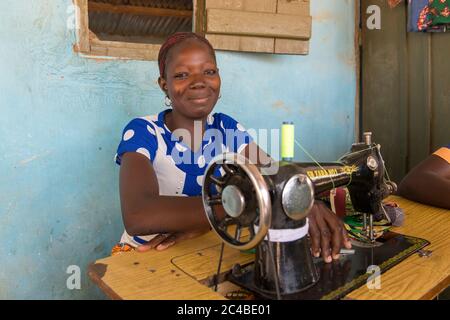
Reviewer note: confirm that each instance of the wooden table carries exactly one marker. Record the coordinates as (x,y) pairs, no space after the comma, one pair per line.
(183,271)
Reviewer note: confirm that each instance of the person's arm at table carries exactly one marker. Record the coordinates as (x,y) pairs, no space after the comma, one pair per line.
(145,212)
(428,183)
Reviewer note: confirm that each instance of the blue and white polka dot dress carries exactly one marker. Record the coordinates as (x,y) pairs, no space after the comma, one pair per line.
(179,170)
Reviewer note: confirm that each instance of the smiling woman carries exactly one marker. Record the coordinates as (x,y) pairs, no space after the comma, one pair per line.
(161,172)
(191,80)
(159,166)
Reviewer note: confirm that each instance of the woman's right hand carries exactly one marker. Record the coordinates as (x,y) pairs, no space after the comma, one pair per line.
(166,240)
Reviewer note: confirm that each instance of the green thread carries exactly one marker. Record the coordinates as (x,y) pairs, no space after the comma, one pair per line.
(313,159)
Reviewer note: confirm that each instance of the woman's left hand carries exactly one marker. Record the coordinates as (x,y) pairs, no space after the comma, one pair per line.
(164,241)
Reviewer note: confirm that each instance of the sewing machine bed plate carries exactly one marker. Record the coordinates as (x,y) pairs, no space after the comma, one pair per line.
(349,272)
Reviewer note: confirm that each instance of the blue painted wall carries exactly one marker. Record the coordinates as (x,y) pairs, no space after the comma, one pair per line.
(61,117)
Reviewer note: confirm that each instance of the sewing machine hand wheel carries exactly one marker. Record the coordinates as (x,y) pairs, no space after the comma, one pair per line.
(244,195)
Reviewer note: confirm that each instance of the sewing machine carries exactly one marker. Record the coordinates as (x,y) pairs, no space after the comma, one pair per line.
(268,212)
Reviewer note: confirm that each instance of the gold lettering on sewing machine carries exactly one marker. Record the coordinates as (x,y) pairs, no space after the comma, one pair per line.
(349,169)
(330,172)
(321,173)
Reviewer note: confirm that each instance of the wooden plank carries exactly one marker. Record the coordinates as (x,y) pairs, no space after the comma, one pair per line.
(257,24)
(244,5)
(129,45)
(242,43)
(82,25)
(258,44)
(133,54)
(139,10)
(98,51)
(124,50)
(199,16)
(289,46)
(294,7)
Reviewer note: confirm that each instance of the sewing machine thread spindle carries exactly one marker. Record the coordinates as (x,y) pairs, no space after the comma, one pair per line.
(287,141)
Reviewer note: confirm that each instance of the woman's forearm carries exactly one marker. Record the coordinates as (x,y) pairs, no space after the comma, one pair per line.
(167,214)
(163,214)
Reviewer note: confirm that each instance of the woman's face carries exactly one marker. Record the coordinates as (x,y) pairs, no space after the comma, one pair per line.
(192,79)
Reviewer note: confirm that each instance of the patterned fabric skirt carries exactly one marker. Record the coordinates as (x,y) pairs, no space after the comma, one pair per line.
(121,248)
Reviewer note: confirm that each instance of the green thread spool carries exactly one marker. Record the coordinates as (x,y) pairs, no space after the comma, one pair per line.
(287,141)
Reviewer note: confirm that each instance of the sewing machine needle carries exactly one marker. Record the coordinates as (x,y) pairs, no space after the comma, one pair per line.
(371,235)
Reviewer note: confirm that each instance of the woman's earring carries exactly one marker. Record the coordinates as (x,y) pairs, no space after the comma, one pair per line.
(220,96)
(168,102)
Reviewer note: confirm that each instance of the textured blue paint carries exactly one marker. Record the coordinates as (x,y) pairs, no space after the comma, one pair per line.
(61,116)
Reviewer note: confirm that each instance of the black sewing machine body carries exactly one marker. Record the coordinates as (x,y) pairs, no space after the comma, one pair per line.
(274,207)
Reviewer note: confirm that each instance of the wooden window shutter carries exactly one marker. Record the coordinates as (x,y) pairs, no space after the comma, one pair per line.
(271,26)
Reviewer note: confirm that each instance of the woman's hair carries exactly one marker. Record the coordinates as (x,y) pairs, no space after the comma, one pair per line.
(175,39)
